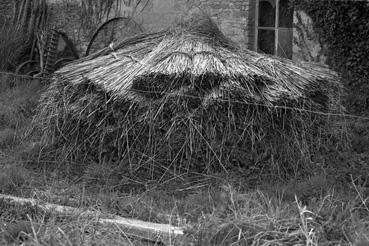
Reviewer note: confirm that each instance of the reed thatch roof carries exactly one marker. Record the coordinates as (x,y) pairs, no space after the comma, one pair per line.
(187,97)
(196,59)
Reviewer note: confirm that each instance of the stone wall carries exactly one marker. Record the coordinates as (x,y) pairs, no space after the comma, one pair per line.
(236,19)
(232,16)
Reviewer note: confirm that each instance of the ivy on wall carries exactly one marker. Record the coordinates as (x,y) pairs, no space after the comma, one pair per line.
(343,26)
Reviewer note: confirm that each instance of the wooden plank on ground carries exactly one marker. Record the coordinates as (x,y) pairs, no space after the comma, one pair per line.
(147,230)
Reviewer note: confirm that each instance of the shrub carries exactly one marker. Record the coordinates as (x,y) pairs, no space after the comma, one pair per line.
(343,27)
(13,45)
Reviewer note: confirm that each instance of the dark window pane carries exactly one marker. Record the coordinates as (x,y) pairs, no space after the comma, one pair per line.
(266,41)
(285,14)
(267,13)
(285,43)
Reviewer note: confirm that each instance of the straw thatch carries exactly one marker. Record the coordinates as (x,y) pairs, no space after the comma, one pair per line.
(186,95)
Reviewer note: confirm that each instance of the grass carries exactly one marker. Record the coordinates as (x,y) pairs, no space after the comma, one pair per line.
(327,207)
(13,46)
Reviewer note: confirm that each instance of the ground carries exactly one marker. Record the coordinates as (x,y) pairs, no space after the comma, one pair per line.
(325,208)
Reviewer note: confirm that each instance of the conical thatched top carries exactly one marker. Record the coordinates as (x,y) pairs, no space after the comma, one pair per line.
(201,25)
(194,58)
(184,98)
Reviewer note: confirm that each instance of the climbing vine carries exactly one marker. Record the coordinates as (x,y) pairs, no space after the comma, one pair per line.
(343,26)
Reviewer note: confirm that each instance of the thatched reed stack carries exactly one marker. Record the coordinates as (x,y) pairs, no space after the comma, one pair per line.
(187,98)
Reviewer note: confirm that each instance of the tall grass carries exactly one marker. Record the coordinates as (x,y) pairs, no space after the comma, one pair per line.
(18,100)
(13,46)
(311,212)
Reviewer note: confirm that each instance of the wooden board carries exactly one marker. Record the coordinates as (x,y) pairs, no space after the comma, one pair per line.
(137,228)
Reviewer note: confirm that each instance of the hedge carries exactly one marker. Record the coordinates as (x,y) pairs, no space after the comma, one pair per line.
(343,26)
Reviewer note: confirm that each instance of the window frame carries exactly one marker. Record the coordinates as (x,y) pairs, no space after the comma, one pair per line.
(276,28)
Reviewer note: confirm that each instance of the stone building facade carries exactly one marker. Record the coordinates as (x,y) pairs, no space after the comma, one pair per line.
(263,25)
(232,16)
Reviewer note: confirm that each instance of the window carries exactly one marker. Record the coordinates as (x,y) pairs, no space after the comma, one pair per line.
(274,20)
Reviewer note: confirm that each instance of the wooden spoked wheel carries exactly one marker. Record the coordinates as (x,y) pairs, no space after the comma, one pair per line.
(115,29)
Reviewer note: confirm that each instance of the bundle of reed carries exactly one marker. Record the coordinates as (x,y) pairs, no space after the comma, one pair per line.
(185,98)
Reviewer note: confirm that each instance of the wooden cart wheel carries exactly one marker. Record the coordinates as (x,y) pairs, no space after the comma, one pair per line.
(111,31)
(69,43)
(33,72)
(62,62)
(28,67)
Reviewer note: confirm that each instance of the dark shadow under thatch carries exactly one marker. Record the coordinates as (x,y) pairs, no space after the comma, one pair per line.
(183,97)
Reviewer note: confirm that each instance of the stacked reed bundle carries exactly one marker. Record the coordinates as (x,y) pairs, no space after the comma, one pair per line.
(186,98)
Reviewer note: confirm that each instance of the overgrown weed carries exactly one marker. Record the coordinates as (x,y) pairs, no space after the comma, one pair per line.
(13,178)
(13,45)
(18,100)
(326,207)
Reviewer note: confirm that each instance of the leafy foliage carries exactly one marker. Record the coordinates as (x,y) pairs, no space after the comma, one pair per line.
(343,27)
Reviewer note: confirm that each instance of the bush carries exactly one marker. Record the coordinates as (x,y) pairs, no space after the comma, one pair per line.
(18,101)
(343,27)
(13,45)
